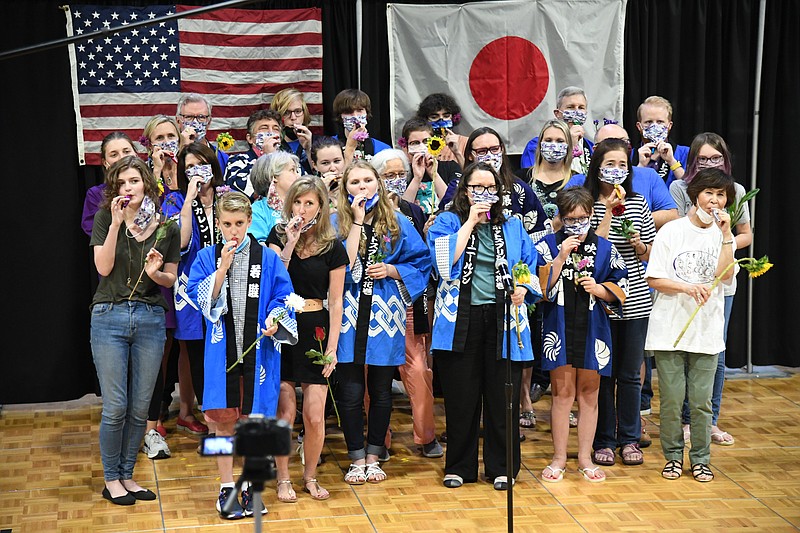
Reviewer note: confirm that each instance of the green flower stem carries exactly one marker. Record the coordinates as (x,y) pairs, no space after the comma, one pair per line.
(335,408)
(717,280)
(247,351)
(278,318)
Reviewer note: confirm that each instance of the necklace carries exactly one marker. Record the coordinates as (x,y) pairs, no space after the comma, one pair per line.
(130,257)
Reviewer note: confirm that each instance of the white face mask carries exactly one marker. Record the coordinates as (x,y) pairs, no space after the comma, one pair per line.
(704,217)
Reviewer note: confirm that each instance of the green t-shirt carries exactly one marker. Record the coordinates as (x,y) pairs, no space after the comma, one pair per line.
(129,263)
(483,279)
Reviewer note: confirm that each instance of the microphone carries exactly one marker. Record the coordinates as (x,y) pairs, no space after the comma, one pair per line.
(502,268)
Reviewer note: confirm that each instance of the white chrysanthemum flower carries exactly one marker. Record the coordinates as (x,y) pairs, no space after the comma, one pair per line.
(295,302)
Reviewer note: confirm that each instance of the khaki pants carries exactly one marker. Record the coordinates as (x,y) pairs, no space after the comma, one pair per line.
(676,370)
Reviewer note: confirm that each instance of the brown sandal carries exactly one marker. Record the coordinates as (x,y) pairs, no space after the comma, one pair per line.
(317,494)
(603,457)
(631,454)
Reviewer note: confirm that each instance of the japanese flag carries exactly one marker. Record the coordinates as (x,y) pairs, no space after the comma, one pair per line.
(505,61)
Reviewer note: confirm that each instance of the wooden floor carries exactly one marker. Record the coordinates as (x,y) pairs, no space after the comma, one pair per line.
(51,478)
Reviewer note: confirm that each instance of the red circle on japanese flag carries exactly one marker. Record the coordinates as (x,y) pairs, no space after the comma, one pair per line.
(509,78)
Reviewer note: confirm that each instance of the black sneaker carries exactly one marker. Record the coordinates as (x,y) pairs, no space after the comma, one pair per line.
(247,503)
(236,511)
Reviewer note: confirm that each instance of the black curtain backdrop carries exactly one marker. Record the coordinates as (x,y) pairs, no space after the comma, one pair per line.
(700,54)
(47,356)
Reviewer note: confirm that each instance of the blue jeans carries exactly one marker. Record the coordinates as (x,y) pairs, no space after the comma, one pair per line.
(127,335)
(719,376)
(618,421)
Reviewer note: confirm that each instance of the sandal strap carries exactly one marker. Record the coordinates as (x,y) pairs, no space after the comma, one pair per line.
(699,469)
(374,469)
(286,481)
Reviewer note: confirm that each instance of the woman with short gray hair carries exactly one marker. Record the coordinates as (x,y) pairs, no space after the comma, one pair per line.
(271,176)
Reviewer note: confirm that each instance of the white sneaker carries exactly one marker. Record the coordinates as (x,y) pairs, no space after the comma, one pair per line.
(155,446)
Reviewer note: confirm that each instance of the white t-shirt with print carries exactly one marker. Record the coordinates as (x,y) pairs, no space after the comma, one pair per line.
(686,253)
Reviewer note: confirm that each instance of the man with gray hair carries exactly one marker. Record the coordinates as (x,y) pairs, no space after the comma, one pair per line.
(194,117)
(571,108)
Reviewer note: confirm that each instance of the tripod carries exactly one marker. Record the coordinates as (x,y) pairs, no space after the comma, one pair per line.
(256,470)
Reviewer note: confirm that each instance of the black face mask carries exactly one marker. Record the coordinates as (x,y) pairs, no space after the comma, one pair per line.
(289,133)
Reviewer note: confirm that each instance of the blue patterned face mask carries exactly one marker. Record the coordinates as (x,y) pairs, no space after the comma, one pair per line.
(656,133)
(574,116)
(369,206)
(145,213)
(396,185)
(204,171)
(613,175)
(262,136)
(199,128)
(553,152)
(579,228)
(496,160)
(442,123)
(353,122)
(169,146)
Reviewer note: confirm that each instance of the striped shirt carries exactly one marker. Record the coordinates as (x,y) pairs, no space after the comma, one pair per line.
(638,303)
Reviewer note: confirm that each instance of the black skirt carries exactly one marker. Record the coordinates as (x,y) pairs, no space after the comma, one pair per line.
(296,367)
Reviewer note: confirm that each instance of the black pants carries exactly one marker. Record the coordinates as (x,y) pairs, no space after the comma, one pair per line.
(154,412)
(350,393)
(538,376)
(471,380)
(196,350)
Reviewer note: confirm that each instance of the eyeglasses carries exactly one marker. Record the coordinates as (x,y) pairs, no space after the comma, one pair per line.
(201,118)
(481,189)
(296,112)
(579,220)
(491,149)
(394,175)
(714,159)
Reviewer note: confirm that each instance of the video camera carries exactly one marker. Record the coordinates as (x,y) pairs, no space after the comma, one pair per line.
(257,436)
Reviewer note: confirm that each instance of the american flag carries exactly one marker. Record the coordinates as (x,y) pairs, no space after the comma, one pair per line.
(237,58)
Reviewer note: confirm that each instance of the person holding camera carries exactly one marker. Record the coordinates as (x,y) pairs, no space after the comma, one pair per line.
(290,104)
(240,287)
(316,259)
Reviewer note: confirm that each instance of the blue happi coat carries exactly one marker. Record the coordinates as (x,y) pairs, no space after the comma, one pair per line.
(442,237)
(386,340)
(609,271)
(269,282)
(189,319)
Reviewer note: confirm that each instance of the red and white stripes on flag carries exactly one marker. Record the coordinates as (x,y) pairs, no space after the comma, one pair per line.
(237,58)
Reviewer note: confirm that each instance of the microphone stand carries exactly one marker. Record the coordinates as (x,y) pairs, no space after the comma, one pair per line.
(510,428)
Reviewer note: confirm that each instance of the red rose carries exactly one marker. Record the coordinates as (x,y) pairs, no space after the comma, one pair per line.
(618,210)
(319,334)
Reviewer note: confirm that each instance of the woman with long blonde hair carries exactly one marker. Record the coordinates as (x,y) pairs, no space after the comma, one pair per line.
(388,268)
(307,244)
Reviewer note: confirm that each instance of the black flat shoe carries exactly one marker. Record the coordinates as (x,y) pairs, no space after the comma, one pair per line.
(128,499)
(144,495)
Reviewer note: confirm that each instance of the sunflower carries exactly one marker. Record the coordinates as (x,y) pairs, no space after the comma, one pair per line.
(225,141)
(757,267)
(435,145)
(522,273)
